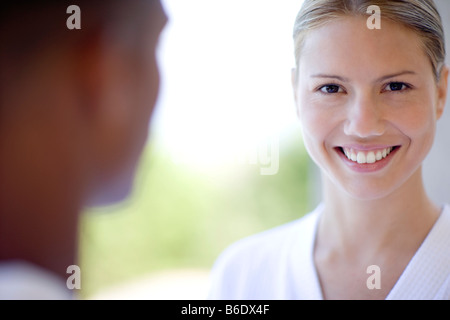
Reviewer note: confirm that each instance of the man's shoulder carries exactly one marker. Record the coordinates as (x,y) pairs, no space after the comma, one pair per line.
(20,280)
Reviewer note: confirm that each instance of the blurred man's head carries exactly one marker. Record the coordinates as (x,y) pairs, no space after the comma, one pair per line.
(75,104)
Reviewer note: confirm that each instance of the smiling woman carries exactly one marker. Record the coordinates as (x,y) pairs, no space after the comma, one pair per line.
(377,106)
(368,101)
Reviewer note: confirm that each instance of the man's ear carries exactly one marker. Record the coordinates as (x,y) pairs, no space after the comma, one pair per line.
(442,91)
(88,60)
(102,72)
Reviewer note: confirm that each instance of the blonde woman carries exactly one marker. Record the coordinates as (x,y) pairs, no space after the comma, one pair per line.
(368,97)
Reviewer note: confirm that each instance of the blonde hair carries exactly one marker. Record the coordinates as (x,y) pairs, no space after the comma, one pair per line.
(420,16)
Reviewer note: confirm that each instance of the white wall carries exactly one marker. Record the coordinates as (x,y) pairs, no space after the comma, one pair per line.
(437,166)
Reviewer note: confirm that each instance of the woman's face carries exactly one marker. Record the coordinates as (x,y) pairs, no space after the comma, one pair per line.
(368,103)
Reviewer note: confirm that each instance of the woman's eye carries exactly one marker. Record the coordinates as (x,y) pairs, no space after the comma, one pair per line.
(397,86)
(330,88)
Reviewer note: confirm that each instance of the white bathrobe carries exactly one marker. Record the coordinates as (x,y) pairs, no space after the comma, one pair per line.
(278,264)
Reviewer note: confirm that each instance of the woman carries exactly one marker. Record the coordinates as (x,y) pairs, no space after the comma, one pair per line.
(368,100)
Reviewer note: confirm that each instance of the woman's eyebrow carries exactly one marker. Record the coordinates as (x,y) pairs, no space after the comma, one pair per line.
(332,76)
(384,78)
(343,79)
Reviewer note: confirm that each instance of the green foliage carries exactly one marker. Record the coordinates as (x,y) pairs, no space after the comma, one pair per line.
(181,217)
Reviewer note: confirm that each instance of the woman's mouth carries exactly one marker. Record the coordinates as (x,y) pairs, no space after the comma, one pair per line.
(367,156)
(367,159)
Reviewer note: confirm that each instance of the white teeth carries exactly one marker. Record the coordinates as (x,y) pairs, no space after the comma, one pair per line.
(369,157)
(361,157)
(379,156)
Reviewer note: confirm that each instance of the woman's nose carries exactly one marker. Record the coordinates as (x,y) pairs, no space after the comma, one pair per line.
(364,118)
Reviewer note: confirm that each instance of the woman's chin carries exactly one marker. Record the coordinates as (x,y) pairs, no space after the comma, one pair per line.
(367,189)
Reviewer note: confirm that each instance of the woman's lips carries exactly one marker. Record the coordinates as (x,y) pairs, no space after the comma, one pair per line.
(367,159)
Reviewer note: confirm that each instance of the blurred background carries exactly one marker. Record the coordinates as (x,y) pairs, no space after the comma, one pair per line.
(224,158)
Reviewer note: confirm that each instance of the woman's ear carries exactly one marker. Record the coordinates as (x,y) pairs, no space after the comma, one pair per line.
(294,79)
(294,82)
(442,91)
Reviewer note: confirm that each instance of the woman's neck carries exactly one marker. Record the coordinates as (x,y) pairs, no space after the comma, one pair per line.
(354,226)
(354,235)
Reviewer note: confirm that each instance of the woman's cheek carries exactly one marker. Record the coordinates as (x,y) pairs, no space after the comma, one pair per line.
(415,119)
(317,118)
(412,112)
(317,124)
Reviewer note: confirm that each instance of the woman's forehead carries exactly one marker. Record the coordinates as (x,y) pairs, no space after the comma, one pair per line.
(347,43)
